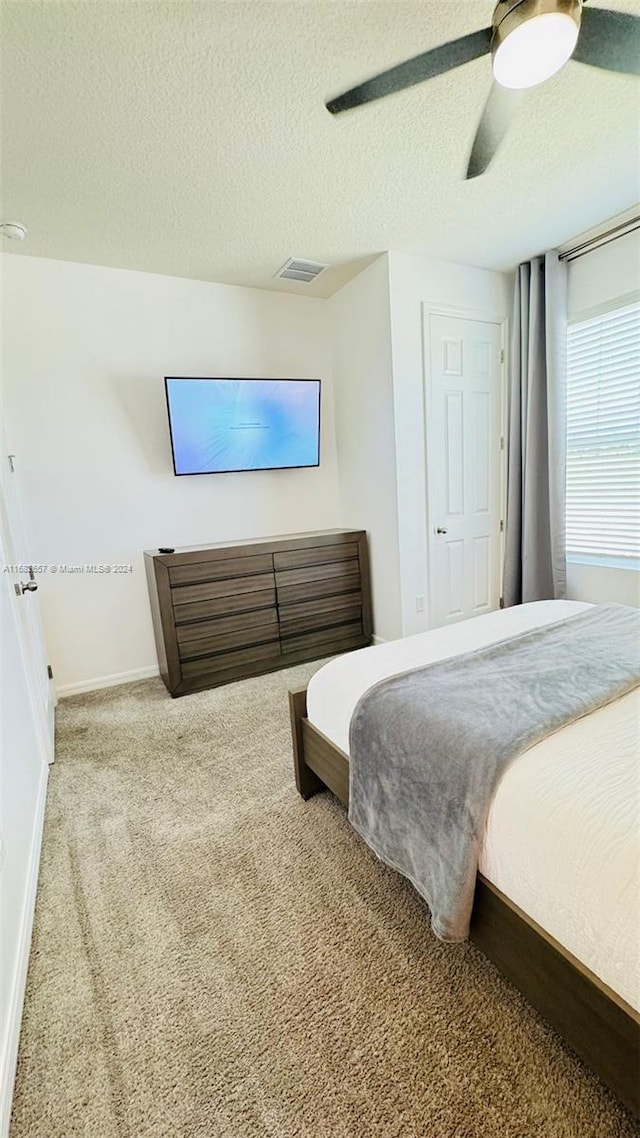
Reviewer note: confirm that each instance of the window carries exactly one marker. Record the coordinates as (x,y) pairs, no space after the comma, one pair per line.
(603,438)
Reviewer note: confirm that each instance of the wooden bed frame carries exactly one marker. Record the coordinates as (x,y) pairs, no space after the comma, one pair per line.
(600,1026)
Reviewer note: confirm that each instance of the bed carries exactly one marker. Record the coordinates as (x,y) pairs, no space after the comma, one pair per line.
(563,929)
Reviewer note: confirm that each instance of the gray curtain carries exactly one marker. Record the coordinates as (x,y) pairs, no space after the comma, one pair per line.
(535,558)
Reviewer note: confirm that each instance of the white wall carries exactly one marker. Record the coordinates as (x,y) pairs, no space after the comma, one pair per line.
(360,331)
(599,584)
(85,350)
(595,281)
(415,283)
(603,276)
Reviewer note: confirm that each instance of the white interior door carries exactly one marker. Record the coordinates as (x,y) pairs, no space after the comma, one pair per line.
(23,782)
(17,567)
(464,466)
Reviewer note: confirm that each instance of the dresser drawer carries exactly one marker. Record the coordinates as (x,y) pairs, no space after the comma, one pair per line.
(213,590)
(325,585)
(226,661)
(315,555)
(221,606)
(325,641)
(215,570)
(320,613)
(336,571)
(209,636)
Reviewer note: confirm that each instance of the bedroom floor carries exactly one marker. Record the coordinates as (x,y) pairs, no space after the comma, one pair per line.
(213,957)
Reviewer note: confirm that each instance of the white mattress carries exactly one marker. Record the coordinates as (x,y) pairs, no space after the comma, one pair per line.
(563,834)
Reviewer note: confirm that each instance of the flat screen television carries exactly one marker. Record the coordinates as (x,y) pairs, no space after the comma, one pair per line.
(223,425)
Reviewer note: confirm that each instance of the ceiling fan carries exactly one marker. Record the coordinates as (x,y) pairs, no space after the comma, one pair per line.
(529,41)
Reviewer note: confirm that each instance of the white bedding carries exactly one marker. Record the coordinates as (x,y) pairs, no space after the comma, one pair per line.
(563,834)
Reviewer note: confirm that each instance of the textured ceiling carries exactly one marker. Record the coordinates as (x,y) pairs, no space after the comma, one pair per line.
(190,138)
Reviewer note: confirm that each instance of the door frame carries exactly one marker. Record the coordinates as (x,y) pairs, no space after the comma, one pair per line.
(486,316)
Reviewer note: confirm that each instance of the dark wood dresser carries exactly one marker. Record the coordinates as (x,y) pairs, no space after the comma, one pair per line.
(224,612)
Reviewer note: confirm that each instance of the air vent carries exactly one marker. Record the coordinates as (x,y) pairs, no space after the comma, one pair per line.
(296,270)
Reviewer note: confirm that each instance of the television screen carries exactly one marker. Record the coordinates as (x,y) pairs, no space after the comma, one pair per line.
(220,425)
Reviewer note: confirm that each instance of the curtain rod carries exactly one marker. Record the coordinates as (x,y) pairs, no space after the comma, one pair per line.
(601,239)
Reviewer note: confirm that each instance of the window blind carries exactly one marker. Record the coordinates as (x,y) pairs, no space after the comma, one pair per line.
(603,435)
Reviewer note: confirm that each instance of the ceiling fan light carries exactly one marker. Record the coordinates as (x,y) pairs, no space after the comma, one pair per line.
(535,50)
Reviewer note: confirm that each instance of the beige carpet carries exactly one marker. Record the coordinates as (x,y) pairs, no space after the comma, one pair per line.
(213,957)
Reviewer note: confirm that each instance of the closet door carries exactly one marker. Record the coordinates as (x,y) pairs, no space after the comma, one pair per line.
(464,466)
(23,777)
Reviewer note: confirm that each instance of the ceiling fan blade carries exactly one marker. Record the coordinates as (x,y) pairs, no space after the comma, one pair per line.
(610,40)
(416,70)
(497,115)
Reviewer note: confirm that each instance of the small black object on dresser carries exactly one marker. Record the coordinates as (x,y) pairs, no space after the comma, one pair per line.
(228,611)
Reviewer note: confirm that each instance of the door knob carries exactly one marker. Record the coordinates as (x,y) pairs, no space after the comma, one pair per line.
(441,529)
(28,586)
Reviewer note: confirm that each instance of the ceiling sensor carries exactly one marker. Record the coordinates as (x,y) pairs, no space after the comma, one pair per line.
(296,269)
(15,230)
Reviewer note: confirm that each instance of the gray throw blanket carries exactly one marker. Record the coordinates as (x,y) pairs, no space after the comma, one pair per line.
(429,747)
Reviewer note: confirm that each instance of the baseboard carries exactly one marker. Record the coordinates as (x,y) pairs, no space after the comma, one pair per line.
(112,681)
(10,1057)
(378,640)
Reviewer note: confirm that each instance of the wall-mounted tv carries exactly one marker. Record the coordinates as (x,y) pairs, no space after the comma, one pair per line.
(223,425)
